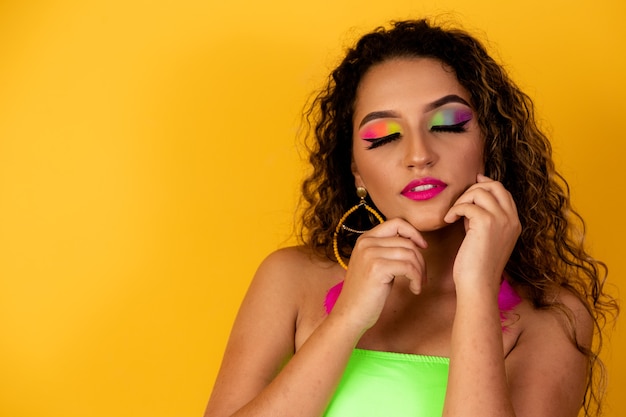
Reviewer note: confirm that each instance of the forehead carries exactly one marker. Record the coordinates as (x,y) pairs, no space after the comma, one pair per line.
(406,82)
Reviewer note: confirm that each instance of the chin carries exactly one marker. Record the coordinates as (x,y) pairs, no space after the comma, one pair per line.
(444,230)
(429,225)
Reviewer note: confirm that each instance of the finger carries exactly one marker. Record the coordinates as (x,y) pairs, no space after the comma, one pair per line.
(503,196)
(482,197)
(483,178)
(395,253)
(467,210)
(475,214)
(390,270)
(416,285)
(471,204)
(368,250)
(367,242)
(492,196)
(398,228)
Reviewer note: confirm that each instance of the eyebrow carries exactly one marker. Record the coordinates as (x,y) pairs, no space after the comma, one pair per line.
(384,114)
(451,98)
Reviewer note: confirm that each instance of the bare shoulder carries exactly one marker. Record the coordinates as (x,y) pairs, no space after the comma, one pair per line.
(291,282)
(293,258)
(274,296)
(295,269)
(277,280)
(581,319)
(305,279)
(547,370)
(263,337)
(567,317)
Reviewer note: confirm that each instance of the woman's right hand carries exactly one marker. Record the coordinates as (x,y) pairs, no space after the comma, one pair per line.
(382,254)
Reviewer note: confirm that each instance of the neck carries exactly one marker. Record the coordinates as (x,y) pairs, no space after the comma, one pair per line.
(443,245)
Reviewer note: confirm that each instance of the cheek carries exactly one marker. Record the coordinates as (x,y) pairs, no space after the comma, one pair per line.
(475,156)
(363,165)
(370,178)
(372,175)
(468,164)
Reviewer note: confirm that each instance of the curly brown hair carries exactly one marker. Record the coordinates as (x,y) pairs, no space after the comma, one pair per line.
(550,252)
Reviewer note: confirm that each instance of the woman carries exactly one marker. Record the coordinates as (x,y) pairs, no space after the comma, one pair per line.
(473,297)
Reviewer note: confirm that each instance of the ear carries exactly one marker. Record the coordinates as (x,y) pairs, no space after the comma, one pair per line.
(358,181)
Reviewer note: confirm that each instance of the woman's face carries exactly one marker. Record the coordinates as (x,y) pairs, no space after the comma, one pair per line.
(417,145)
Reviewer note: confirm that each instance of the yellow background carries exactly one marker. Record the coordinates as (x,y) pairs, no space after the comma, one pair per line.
(148,162)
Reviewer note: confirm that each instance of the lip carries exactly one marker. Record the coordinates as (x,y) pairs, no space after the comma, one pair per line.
(427,188)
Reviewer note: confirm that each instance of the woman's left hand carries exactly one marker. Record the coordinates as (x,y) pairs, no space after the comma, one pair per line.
(492,227)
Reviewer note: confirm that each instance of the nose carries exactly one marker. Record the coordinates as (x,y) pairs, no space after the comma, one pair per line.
(419,152)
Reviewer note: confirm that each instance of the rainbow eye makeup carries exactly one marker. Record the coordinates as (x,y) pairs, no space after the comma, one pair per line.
(380,129)
(381,132)
(450,120)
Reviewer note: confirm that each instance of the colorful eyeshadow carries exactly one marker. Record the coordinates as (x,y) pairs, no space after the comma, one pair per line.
(450,117)
(380,130)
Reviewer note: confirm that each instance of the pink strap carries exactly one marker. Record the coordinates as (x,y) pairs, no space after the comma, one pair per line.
(331,297)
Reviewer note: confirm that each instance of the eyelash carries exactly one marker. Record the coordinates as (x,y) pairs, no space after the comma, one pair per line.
(456,128)
(376,142)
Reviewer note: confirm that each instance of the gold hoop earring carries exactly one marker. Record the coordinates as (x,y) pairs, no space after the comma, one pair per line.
(361,192)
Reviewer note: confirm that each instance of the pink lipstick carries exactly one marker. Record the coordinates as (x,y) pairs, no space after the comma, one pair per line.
(423,189)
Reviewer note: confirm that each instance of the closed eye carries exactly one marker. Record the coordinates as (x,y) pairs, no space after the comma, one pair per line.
(376,142)
(455,128)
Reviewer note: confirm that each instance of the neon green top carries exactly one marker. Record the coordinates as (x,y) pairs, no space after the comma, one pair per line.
(377,384)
